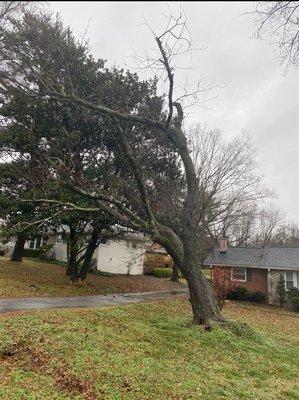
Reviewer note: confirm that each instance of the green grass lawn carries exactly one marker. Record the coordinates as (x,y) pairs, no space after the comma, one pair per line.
(148,351)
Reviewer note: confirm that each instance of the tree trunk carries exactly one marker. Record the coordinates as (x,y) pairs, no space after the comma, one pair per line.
(92,245)
(175,273)
(204,304)
(187,258)
(68,269)
(17,254)
(72,268)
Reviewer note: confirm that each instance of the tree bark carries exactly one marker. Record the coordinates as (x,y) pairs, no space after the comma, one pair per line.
(175,273)
(72,268)
(17,254)
(92,245)
(186,256)
(204,304)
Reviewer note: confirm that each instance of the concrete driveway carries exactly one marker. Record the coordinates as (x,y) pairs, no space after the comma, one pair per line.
(36,303)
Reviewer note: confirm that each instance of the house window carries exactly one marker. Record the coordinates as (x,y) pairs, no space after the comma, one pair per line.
(36,243)
(291,279)
(239,274)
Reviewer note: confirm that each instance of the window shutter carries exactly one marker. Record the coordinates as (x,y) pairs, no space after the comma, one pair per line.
(248,272)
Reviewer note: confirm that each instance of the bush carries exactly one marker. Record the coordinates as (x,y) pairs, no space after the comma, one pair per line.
(47,252)
(295,303)
(44,252)
(32,253)
(294,292)
(256,297)
(238,293)
(293,295)
(162,272)
(3,249)
(222,284)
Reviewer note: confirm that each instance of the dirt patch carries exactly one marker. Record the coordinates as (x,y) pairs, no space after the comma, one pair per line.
(65,381)
(14,351)
(19,353)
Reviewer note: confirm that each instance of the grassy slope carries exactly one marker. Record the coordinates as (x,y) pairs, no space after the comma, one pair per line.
(147,351)
(35,278)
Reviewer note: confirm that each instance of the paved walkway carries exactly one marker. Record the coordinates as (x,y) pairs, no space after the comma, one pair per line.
(32,303)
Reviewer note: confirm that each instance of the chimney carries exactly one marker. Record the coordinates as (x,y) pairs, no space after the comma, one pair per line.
(223,245)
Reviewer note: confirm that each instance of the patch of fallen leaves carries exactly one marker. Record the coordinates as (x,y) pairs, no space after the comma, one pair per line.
(264,317)
(127,384)
(38,279)
(70,383)
(20,353)
(14,351)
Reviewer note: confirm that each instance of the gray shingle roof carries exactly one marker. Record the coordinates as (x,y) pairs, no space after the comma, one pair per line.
(267,257)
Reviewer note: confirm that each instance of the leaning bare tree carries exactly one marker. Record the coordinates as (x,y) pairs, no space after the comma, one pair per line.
(138,212)
(279,20)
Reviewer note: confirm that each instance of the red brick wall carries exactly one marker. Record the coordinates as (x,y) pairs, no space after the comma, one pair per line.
(258,281)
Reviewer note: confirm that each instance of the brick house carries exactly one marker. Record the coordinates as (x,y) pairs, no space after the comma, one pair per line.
(258,269)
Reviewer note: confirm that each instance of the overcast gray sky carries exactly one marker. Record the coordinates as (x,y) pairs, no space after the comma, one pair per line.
(255,96)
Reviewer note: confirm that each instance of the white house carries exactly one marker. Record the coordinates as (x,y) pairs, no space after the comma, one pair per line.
(122,255)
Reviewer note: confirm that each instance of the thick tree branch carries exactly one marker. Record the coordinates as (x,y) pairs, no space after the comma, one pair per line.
(139,177)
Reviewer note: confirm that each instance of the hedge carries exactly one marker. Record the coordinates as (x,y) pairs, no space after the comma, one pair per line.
(256,297)
(162,272)
(32,253)
(44,252)
(240,293)
(293,295)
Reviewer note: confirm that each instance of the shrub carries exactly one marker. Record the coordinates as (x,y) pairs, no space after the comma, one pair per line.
(3,249)
(31,253)
(44,252)
(294,292)
(162,272)
(295,303)
(256,297)
(238,293)
(293,295)
(47,252)
(222,284)
(281,292)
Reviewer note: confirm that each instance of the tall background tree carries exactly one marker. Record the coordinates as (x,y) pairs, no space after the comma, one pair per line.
(279,21)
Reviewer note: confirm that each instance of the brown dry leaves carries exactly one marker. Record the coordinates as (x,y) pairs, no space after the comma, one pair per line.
(23,355)
(276,320)
(38,279)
